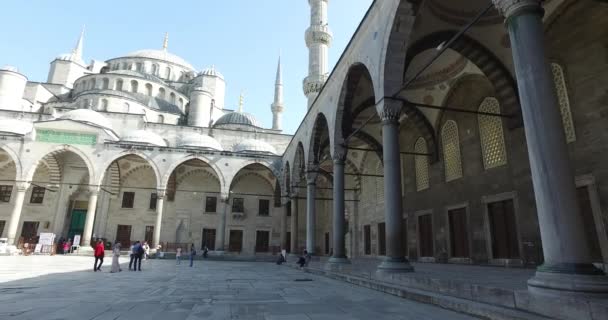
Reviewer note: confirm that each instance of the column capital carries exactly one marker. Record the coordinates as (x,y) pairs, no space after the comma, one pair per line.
(390,111)
(161,193)
(22,186)
(312,173)
(339,155)
(508,8)
(94,190)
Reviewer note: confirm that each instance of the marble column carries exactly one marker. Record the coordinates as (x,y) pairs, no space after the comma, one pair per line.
(13,223)
(87,233)
(311,193)
(339,221)
(294,224)
(394,261)
(220,239)
(284,224)
(160,203)
(567,268)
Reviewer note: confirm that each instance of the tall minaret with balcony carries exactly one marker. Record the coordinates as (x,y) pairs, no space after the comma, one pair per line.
(277,106)
(318,40)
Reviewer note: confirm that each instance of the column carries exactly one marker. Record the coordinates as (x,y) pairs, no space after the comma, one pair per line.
(567,267)
(220,239)
(294,224)
(284,224)
(311,193)
(13,223)
(339,221)
(160,203)
(394,261)
(90,219)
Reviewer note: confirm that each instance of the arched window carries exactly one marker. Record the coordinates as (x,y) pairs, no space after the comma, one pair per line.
(161,119)
(104,105)
(139,66)
(92,84)
(134,86)
(422,165)
(168,73)
(161,93)
(105,84)
(130,66)
(564,101)
(126,108)
(491,135)
(119,85)
(155,69)
(172,97)
(149,89)
(181,103)
(451,151)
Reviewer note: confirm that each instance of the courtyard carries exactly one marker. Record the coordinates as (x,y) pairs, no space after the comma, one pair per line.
(64,287)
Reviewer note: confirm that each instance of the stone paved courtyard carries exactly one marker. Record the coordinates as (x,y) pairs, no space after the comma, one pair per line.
(64,287)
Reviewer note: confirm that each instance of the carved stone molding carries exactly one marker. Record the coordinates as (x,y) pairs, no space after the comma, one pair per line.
(509,7)
(390,111)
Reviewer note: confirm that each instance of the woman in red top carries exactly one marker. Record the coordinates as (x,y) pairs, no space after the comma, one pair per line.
(99,253)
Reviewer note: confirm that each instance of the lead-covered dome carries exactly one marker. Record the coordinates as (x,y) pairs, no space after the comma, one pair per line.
(162,55)
(143,137)
(87,116)
(238,118)
(16,127)
(200,141)
(256,146)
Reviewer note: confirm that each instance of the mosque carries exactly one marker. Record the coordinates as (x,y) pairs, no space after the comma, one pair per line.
(459,132)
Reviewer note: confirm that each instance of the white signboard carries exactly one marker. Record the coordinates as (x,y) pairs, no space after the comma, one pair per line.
(76,240)
(46,239)
(38,248)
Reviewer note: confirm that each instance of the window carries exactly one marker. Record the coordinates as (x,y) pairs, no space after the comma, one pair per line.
(262,241)
(161,93)
(104,105)
(238,205)
(149,236)
(181,103)
(139,66)
(119,85)
(153,200)
(564,101)
(264,206)
(155,69)
(92,84)
(134,86)
(161,118)
(491,135)
(211,204)
(126,108)
(37,195)
(149,89)
(422,165)
(451,151)
(168,73)
(172,97)
(367,239)
(105,83)
(128,199)
(5,193)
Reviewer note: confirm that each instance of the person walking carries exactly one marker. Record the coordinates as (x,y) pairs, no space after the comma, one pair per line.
(178,255)
(205,251)
(99,253)
(131,255)
(146,250)
(138,251)
(115,256)
(192,254)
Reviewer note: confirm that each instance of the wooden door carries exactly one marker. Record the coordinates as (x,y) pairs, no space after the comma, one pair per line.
(262,241)
(382,239)
(77,223)
(29,231)
(459,240)
(593,242)
(503,230)
(235,242)
(425,235)
(123,235)
(208,239)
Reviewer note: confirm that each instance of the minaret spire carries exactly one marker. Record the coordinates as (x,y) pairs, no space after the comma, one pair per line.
(277,106)
(77,51)
(241,100)
(318,40)
(166,41)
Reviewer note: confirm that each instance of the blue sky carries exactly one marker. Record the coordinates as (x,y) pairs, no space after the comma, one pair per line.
(242,38)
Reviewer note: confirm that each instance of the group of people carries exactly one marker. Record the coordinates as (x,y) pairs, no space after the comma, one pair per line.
(178,254)
(64,245)
(137,252)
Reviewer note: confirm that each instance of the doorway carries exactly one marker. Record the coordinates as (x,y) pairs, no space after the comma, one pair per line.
(288,242)
(77,223)
(425,235)
(503,230)
(123,235)
(208,239)
(262,241)
(235,243)
(29,232)
(459,241)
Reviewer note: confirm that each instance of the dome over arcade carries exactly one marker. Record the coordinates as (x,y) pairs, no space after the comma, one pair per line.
(200,141)
(14,126)
(87,116)
(253,145)
(238,118)
(143,137)
(162,55)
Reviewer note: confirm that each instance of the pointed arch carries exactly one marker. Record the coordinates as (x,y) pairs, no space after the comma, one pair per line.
(491,135)
(164,182)
(54,151)
(107,165)
(451,151)
(320,139)
(16,160)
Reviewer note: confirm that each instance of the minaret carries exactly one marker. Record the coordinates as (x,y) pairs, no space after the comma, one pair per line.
(318,40)
(277,106)
(76,55)
(166,41)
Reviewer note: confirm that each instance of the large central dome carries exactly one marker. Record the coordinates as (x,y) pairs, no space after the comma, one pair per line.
(162,55)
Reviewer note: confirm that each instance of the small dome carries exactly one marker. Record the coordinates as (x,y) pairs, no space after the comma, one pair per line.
(143,137)
(15,126)
(9,68)
(238,118)
(211,72)
(200,141)
(252,145)
(162,55)
(87,116)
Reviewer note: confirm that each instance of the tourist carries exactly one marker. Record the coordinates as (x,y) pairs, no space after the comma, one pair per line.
(131,255)
(66,246)
(146,250)
(99,253)
(192,254)
(178,255)
(115,256)
(138,251)
(281,259)
(205,251)
(302,259)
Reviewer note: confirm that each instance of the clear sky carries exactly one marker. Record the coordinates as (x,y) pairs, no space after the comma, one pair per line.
(242,38)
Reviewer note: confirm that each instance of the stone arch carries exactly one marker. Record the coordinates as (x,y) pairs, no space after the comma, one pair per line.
(287,178)
(51,153)
(320,139)
(271,182)
(107,165)
(204,172)
(16,160)
(345,113)
(167,175)
(299,163)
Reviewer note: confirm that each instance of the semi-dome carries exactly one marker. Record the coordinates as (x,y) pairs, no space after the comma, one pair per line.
(253,145)
(160,55)
(87,116)
(238,118)
(211,72)
(14,126)
(143,137)
(200,141)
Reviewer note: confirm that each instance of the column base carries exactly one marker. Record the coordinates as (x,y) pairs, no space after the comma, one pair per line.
(337,264)
(395,265)
(338,260)
(575,280)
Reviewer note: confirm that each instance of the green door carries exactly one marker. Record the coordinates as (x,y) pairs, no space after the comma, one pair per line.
(77,223)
